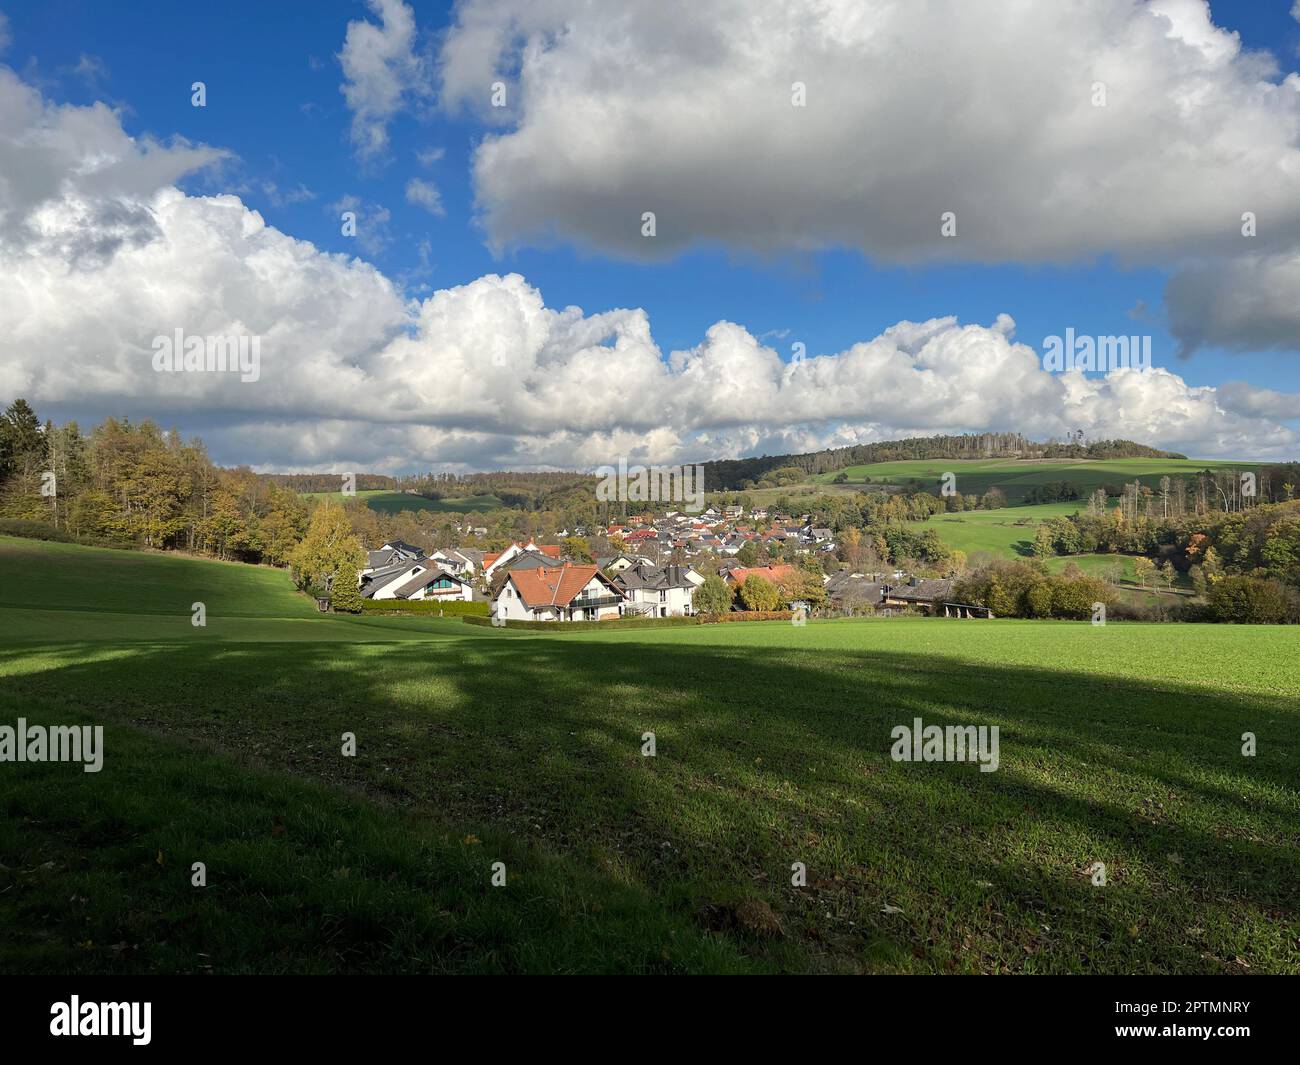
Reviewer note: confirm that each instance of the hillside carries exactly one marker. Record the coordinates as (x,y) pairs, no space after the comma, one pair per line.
(477,746)
(1017,477)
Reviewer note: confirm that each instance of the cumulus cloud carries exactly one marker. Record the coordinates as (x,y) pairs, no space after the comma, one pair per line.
(912,109)
(102,253)
(382,72)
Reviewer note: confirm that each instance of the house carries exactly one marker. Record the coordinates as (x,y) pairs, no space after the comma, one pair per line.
(655,591)
(557,593)
(423,579)
(846,589)
(617,563)
(454,561)
(393,553)
(735,576)
(493,561)
(928,595)
(732,512)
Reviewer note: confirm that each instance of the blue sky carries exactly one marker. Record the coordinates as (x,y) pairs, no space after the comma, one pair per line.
(273,80)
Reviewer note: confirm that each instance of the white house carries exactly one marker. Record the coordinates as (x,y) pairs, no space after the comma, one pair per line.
(652,591)
(417,580)
(560,593)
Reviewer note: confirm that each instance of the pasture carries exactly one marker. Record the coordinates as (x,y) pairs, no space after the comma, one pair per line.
(1120,745)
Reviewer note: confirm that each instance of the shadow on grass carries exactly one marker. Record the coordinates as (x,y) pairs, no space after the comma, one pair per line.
(768,757)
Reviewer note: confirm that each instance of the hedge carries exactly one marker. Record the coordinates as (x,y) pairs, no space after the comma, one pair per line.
(581,626)
(452,609)
(749,615)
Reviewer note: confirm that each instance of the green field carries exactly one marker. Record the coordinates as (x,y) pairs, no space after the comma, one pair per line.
(1119,744)
(1016,477)
(1008,531)
(395,502)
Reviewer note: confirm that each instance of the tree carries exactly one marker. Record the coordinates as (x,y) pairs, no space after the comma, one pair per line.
(577,548)
(328,550)
(758,593)
(714,596)
(1143,568)
(345,596)
(748,554)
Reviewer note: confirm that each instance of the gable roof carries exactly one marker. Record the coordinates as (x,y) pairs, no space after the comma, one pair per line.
(421,579)
(654,578)
(555,586)
(404,547)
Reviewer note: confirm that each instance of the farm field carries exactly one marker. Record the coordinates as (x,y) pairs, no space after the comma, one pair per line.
(1017,477)
(1119,744)
(395,502)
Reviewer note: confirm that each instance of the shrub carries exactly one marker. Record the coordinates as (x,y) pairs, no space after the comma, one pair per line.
(30,529)
(1248,601)
(748,615)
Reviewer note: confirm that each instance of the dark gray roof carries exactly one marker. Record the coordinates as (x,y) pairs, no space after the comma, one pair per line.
(379,559)
(927,591)
(406,549)
(654,578)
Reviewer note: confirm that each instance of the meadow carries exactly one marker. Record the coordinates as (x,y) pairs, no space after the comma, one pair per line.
(385,502)
(1016,477)
(1120,744)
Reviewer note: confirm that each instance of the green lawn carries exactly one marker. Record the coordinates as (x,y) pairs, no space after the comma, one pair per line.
(394,502)
(1016,477)
(1119,744)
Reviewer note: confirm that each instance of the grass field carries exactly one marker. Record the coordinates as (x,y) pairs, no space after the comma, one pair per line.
(1008,531)
(395,502)
(1119,744)
(1016,477)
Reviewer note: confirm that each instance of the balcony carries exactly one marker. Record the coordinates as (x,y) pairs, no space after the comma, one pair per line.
(595,601)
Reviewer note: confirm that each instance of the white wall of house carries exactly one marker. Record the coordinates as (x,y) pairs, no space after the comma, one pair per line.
(665,603)
(389,590)
(460,592)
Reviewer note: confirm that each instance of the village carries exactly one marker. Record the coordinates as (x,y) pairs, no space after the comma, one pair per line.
(655,568)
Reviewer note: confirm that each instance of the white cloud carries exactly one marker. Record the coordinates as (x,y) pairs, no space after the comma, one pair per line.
(913,109)
(424,194)
(382,71)
(101,253)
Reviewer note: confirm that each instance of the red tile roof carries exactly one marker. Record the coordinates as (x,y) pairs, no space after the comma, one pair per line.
(774,574)
(545,586)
